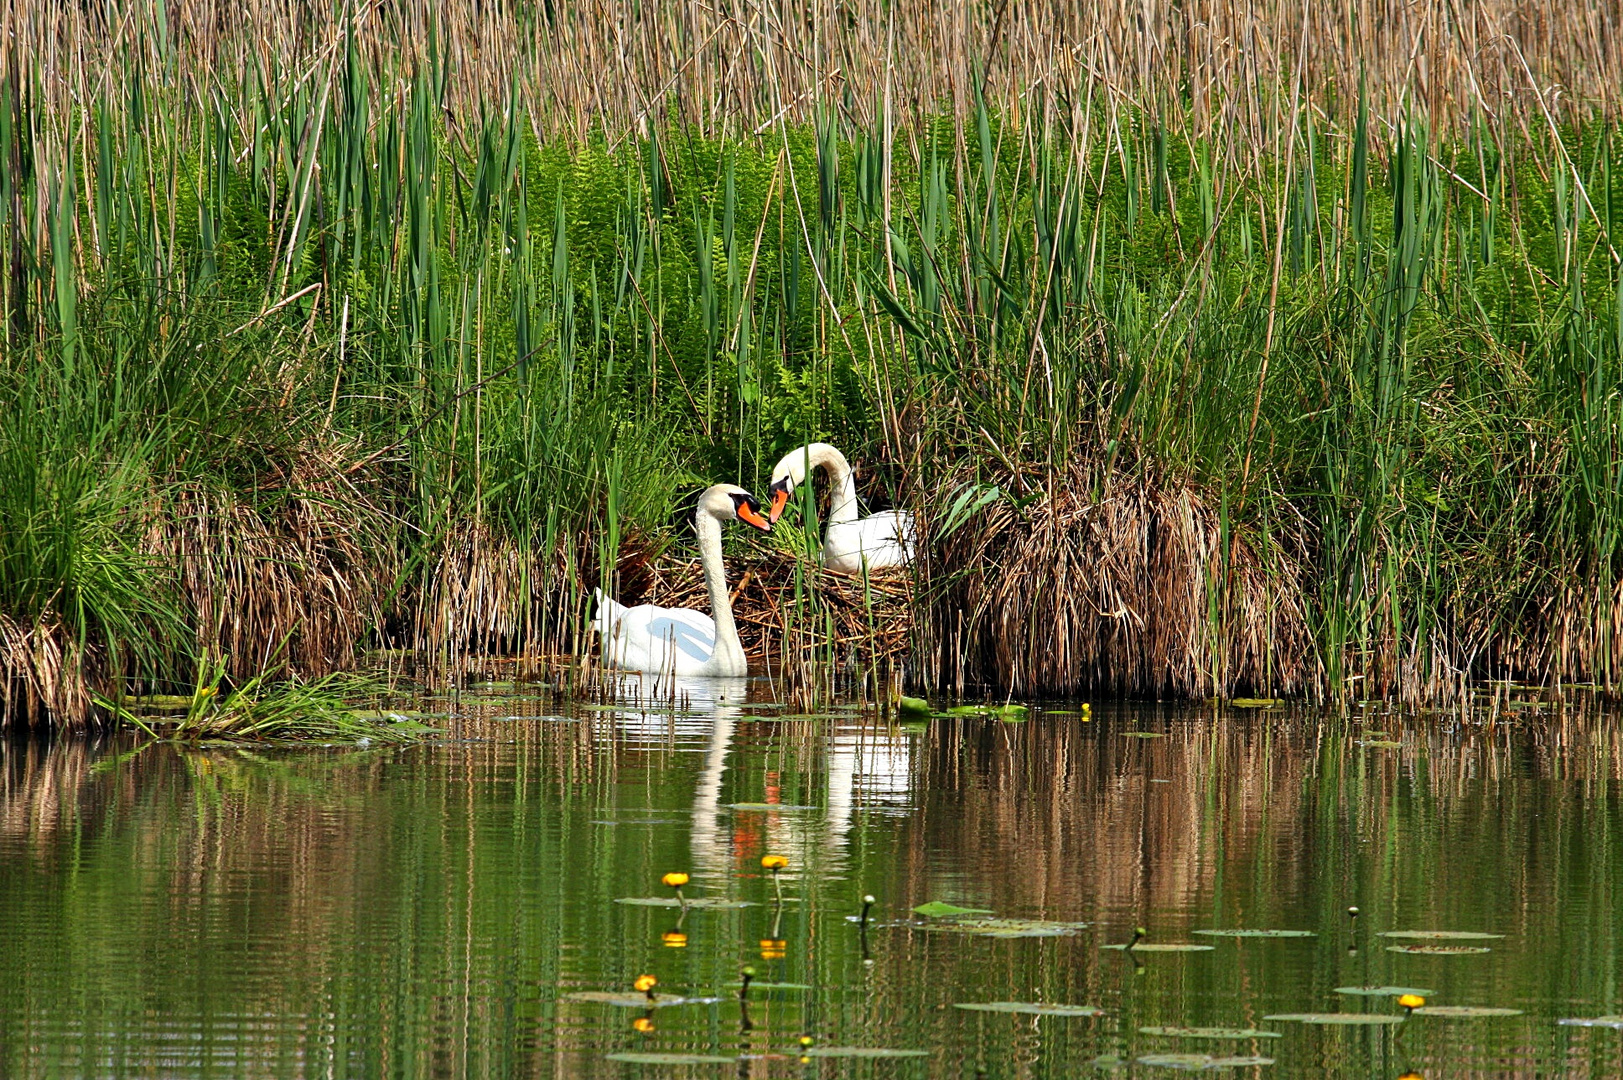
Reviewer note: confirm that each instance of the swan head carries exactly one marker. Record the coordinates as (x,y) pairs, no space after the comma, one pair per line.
(791,469)
(729,502)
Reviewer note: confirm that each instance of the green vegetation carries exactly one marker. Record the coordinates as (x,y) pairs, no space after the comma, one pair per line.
(311,354)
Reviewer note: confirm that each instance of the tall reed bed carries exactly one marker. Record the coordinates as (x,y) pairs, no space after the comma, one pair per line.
(331,325)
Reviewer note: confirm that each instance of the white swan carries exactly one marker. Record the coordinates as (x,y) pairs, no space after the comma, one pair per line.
(885,539)
(681,641)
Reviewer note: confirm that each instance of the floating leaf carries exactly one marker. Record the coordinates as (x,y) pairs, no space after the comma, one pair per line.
(1109,1061)
(1162,946)
(1031,1008)
(907,704)
(1440,935)
(861,1052)
(940,909)
(1202,1062)
(1383,991)
(1465,1012)
(712,903)
(763,807)
(1256,933)
(1337,1018)
(1143,734)
(1439,950)
(1188,1062)
(1594,1021)
(1007,928)
(759,984)
(671,1059)
(1255,702)
(1208,1033)
(628,999)
(1378,744)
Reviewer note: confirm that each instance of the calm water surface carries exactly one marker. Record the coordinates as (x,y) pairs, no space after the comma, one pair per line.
(422,912)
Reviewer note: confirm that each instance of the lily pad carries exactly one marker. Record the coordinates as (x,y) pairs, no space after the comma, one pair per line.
(1384,991)
(711,903)
(765,807)
(1439,950)
(1255,702)
(861,1052)
(1208,1033)
(1162,946)
(940,909)
(1378,744)
(1202,1062)
(1465,1012)
(1187,1062)
(1007,928)
(630,999)
(1347,1019)
(906,704)
(1029,1008)
(1256,933)
(1440,935)
(1143,734)
(760,984)
(671,1059)
(1594,1021)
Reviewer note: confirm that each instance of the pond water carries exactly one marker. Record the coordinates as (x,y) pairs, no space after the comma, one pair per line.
(425,911)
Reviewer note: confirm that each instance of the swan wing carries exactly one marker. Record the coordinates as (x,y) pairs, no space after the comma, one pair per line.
(659,640)
(880,540)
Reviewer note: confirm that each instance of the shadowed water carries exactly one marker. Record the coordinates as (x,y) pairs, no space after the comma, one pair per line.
(421,911)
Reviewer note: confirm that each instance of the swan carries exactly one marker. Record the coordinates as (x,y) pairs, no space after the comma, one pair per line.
(885,539)
(681,641)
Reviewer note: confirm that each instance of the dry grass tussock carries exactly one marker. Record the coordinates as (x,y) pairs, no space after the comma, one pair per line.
(46,670)
(288,583)
(1135,591)
(286,588)
(609,68)
(487,593)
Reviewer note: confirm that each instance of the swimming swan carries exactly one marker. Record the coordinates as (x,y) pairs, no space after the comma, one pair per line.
(885,539)
(681,641)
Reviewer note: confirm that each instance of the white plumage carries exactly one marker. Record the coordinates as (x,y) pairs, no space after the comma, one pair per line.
(681,641)
(849,540)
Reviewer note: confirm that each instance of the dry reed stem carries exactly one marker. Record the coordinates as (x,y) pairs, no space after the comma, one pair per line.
(612,69)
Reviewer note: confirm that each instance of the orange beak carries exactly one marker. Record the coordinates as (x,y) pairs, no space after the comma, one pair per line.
(780,499)
(749,515)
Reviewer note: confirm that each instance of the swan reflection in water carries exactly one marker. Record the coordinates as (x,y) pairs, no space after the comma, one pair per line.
(867,765)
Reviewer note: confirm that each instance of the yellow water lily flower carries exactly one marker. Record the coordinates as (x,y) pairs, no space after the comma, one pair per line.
(675,880)
(642,1024)
(645,983)
(674,939)
(1411,1002)
(773,862)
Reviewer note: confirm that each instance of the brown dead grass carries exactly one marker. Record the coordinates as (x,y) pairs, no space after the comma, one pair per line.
(1131,592)
(609,69)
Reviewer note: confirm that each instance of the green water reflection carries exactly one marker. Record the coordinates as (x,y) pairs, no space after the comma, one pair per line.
(423,911)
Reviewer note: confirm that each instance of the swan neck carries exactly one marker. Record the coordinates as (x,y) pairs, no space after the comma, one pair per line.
(715,583)
(842,485)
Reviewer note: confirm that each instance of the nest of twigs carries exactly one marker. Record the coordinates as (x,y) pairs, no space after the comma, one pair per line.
(789,610)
